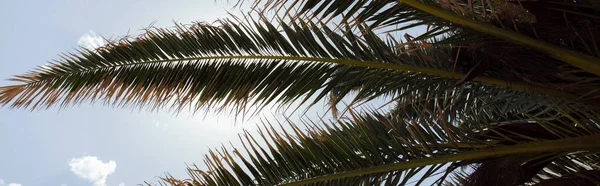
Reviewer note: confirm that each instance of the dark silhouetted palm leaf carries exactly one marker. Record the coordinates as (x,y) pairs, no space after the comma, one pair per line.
(374,149)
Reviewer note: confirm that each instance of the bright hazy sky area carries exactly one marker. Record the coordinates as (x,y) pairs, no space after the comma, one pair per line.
(96,144)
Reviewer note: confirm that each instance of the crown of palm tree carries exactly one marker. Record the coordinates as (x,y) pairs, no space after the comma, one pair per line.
(495,86)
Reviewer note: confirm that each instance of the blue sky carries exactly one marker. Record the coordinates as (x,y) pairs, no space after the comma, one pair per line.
(120,146)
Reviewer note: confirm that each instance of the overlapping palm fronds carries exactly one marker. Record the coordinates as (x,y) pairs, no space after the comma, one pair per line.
(489,91)
(499,123)
(533,41)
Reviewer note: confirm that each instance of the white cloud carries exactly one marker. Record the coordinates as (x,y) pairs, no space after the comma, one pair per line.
(10,184)
(90,40)
(121,184)
(92,169)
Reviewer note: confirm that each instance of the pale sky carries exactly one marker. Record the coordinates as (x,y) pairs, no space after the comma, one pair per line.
(96,144)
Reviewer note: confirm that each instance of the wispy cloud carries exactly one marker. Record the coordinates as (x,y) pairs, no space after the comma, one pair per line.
(92,169)
(2,183)
(91,40)
(121,184)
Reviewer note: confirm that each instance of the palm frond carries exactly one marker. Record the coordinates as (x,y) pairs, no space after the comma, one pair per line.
(526,37)
(235,63)
(375,149)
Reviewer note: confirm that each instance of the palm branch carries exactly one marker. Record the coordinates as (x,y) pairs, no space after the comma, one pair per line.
(203,66)
(533,41)
(373,149)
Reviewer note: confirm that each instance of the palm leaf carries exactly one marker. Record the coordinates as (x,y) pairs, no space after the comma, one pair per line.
(202,66)
(374,149)
(502,34)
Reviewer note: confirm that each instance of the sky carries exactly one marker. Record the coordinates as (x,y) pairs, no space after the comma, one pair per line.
(95,144)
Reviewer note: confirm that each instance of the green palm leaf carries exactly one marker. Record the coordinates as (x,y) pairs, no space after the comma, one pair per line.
(374,149)
(510,37)
(202,66)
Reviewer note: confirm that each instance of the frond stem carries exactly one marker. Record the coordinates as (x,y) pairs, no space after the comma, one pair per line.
(518,86)
(586,143)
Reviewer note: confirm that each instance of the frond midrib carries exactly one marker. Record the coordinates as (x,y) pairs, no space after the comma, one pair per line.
(491,81)
(586,143)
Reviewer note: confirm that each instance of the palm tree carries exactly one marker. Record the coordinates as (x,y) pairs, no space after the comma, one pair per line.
(493,92)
